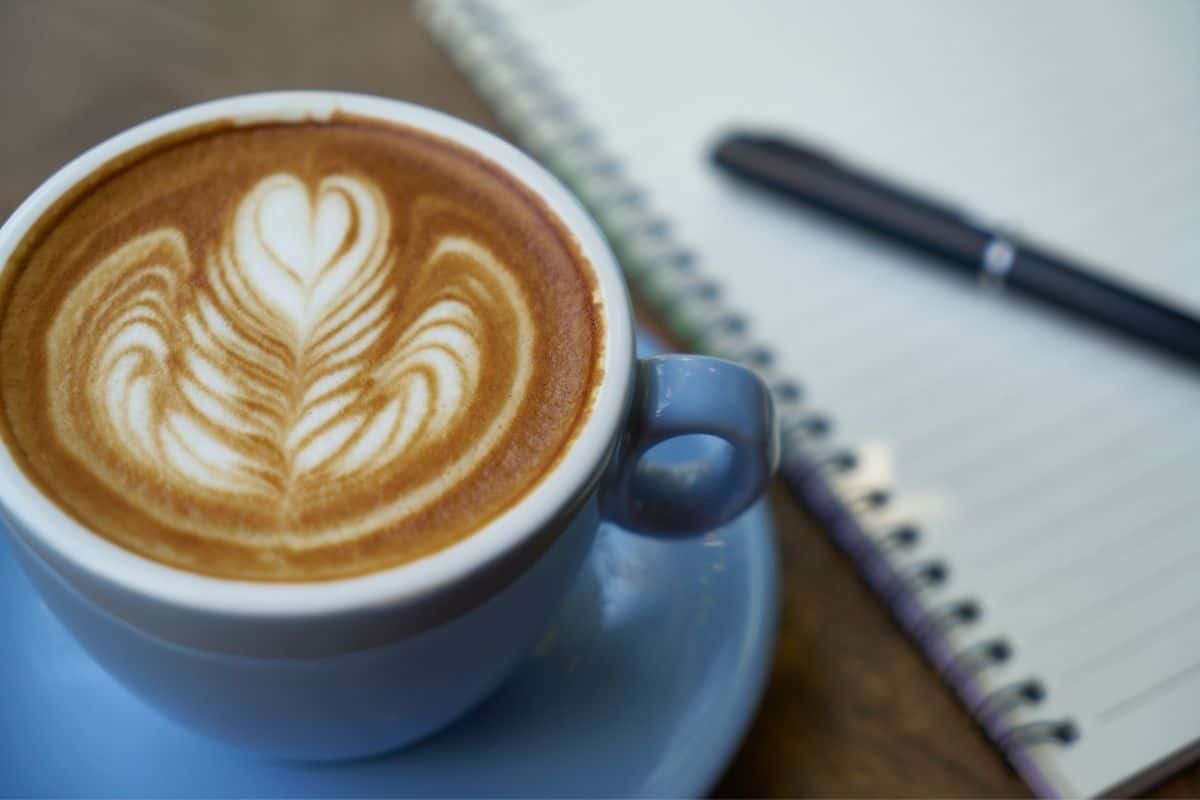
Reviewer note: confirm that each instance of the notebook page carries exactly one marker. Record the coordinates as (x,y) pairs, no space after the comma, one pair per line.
(1066,462)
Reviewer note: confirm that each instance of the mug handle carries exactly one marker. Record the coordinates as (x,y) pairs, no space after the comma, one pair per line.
(678,395)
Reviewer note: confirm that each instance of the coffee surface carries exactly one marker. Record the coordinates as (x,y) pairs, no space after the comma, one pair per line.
(295,351)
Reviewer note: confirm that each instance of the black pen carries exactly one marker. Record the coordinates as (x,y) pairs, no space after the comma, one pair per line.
(803,173)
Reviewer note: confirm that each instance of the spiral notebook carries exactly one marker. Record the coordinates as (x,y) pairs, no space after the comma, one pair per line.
(1022,490)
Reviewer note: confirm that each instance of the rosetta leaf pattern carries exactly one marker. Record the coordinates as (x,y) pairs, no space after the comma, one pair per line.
(300,353)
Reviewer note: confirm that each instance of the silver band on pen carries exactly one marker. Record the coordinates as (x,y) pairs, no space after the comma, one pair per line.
(996,261)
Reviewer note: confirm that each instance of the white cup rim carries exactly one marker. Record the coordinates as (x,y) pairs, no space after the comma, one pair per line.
(50,527)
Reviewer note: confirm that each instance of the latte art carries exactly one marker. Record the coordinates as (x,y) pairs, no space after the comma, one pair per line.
(280,370)
(310,377)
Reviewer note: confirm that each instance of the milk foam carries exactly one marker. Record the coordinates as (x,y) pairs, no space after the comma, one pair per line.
(295,351)
(278,365)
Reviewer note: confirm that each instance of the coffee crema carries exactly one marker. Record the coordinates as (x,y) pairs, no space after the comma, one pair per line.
(295,351)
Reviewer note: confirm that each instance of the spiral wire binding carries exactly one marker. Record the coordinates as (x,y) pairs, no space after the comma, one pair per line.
(666,276)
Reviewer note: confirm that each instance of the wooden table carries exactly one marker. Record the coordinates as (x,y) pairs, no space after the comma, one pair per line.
(851,708)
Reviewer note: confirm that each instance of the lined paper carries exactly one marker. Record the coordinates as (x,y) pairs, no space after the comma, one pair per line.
(1068,459)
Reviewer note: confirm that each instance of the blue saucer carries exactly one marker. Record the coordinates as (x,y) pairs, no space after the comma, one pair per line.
(643,686)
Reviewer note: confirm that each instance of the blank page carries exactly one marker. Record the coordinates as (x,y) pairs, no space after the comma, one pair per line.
(1053,466)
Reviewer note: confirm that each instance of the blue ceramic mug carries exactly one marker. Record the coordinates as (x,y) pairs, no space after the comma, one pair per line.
(345,668)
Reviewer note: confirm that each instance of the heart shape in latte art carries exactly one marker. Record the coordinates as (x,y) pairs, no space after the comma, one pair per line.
(300,357)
